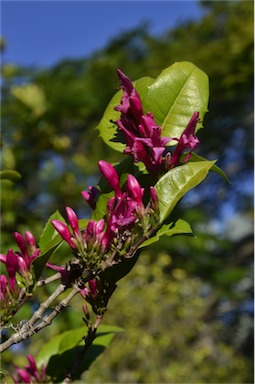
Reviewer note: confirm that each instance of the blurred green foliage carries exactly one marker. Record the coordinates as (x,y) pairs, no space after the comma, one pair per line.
(186,306)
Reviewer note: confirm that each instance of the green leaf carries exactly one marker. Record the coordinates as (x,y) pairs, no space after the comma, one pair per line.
(50,236)
(10,174)
(177,182)
(106,127)
(180,227)
(101,205)
(178,92)
(60,353)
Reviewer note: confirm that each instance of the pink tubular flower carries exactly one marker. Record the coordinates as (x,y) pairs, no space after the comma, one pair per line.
(141,132)
(3,286)
(111,176)
(64,232)
(73,220)
(12,267)
(90,196)
(134,190)
(187,140)
(30,374)
(94,234)
(63,271)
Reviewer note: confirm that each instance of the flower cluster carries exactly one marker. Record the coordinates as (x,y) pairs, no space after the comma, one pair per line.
(30,374)
(141,132)
(124,210)
(143,135)
(19,262)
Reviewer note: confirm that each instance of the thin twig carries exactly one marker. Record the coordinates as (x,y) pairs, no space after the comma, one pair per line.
(49,280)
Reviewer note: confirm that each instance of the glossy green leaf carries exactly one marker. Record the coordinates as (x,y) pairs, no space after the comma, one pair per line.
(49,235)
(101,205)
(107,127)
(180,227)
(9,174)
(177,182)
(178,92)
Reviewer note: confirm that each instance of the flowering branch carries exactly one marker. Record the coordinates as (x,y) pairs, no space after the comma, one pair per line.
(29,328)
(137,211)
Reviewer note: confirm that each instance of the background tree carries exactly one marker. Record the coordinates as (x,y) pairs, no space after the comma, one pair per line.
(198,305)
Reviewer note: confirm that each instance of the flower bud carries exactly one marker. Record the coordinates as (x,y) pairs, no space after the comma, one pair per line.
(134,190)
(111,176)
(3,286)
(21,242)
(12,267)
(90,196)
(154,198)
(73,220)
(63,230)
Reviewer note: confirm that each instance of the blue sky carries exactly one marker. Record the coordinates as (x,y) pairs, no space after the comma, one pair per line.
(41,33)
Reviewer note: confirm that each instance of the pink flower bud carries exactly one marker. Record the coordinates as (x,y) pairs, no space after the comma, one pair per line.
(73,220)
(23,375)
(21,242)
(32,369)
(84,292)
(3,286)
(111,176)
(90,196)
(134,190)
(12,267)
(23,267)
(30,239)
(63,230)
(154,198)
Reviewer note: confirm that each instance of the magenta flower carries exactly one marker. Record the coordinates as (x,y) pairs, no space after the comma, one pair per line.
(73,221)
(64,232)
(141,132)
(187,140)
(90,196)
(12,266)
(111,176)
(30,374)
(63,272)
(134,190)
(94,235)
(3,287)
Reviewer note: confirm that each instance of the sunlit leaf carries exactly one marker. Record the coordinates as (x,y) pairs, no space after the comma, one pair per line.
(180,227)
(178,92)
(177,182)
